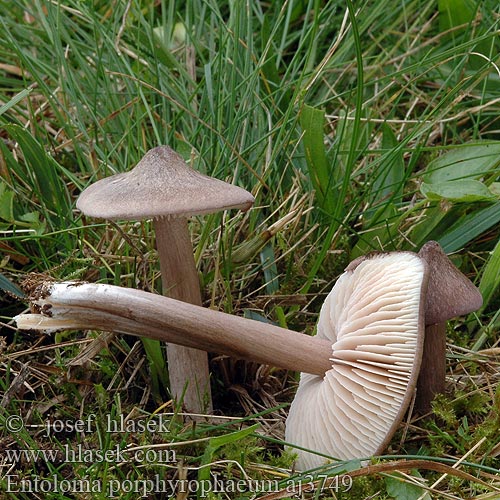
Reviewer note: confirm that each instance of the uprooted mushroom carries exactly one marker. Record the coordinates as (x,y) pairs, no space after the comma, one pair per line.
(359,371)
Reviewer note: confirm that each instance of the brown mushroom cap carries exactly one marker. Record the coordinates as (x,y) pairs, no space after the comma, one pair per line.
(450,293)
(161,184)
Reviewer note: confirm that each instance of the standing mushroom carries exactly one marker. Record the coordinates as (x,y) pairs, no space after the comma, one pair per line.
(163,187)
(359,371)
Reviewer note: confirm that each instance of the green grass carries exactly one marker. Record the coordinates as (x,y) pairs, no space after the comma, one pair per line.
(368,126)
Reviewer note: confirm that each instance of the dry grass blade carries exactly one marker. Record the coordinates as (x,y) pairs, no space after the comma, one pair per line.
(91,350)
(399,466)
(16,385)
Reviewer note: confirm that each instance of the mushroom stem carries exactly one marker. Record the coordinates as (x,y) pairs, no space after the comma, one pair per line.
(432,377)
(188,367)
(449,294)
(124,310)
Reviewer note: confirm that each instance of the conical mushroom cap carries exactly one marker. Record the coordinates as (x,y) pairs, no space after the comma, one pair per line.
(449,292)
(375,320)
(161,184)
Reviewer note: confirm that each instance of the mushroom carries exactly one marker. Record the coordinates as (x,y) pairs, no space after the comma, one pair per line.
(164,188)
(359,370)
(374,319)
(449,294)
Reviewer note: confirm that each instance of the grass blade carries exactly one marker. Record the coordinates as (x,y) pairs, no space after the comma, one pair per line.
(490,278)
(17,98)
(8,286)
(469,227)
(43,173)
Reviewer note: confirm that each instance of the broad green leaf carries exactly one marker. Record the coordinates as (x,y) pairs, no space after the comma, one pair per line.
(217,442)
(171,40)
(400,489)
(490,279)
(8,286)
(468,162)
(6,203)
(312,121)
(453,13)
(455,21)
(31,218)
(465,191)
(163,50)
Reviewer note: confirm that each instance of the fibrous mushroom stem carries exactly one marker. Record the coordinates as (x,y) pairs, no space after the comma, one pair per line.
(449,294)
(125,310)
(431,380)
(188,367)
